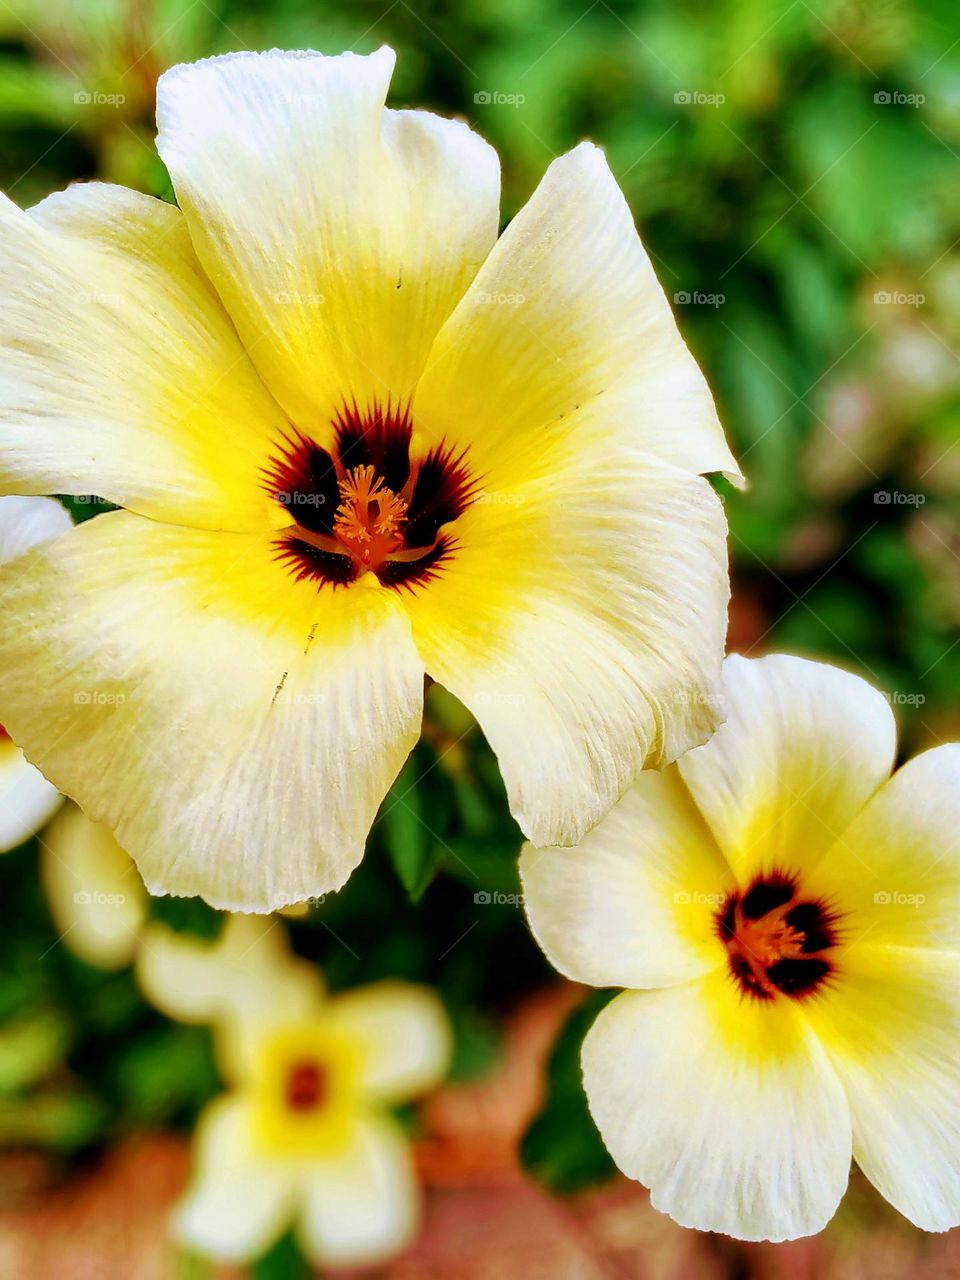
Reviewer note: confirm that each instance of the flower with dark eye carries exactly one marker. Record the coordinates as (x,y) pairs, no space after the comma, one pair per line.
(356,438)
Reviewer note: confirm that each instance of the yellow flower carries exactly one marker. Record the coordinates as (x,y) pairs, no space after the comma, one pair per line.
(787,918)
(305,1135)
(27,799)
(357,438)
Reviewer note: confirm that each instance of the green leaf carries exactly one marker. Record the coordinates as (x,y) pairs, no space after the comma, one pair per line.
(562,1148)
(188,915)
(410,846)
(283,1262)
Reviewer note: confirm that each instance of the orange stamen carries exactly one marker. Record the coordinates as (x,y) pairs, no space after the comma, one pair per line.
(369,518)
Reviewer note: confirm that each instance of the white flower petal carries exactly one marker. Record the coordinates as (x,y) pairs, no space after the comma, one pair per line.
(726,1108)
(403,1035)
(632,905)
(803,748)
(565,340)
(96,898)
(29,522)
(583,626)
(123,376)
(339,236)
(236,728)
(361,1206)
(239,1201)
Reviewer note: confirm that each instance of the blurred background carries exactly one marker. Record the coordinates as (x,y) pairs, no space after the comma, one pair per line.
(793,168)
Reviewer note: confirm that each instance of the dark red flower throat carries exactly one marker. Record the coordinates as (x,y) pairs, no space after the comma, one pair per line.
(366,505)
(777,942)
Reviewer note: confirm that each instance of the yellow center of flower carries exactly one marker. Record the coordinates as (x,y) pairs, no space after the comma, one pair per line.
(306,1091)
(370,517)
(777,943)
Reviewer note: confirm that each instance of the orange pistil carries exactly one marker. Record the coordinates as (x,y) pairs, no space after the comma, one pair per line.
(369,518)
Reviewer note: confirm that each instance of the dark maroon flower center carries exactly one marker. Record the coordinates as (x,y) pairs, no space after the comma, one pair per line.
(777,942)
(368,505)
(306,1086)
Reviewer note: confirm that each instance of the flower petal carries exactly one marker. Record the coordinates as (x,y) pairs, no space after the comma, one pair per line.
(95,895)
(361,1206)
(891,1026)
(27,799)
(339,235)
(727,1109)
(239,1200)
(896,869)
(29,522)
(565,341)
(583,626)
(403,1035)
(235,727)
(633,904)
(803,748)
(123,376)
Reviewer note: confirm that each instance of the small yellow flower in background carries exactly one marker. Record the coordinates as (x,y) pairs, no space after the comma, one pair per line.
(787,918)
(357,438)
(27,799)
(96,898)
(305,1135)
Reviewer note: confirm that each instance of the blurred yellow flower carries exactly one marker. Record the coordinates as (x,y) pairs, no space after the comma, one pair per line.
(787,916)
(358,438)
(27,799)
(96,898)
(305,1135)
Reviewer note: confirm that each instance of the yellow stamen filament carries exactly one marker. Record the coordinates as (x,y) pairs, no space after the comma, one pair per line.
(369,517)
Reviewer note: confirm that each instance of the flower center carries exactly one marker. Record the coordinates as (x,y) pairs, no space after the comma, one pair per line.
(368,504)
(777,943)
(4,736)
(306,1086)
(369,518)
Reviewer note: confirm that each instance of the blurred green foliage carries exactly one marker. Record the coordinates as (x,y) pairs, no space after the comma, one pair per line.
(799,201)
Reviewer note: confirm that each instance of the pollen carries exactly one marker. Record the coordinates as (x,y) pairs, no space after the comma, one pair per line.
(369,519)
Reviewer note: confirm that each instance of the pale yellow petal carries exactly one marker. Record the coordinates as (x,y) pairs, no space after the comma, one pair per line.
(890,1025)
(361,1206)
(581,618)
(339,235)
(803,748)
(122,375)
(895,871)
(402,1035)
(236,728)
(239,1201)
(565,344)
(726,1108)
(635,903)
(96,897)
